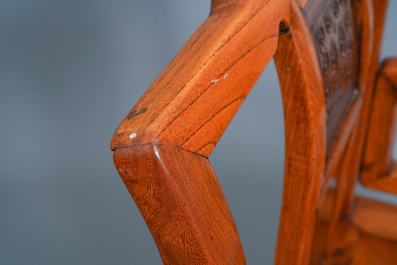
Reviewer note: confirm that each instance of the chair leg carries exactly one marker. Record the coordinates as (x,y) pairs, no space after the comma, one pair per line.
(378,170)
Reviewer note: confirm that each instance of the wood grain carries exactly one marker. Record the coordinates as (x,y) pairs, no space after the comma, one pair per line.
(194,99)
(182,203)
(161,147)
(162,144)
(304,115)
(334,30)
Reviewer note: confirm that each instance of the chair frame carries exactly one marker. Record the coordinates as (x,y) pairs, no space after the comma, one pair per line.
(161,147)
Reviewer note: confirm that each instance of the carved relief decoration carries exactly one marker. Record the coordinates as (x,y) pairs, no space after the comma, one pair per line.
(335,39)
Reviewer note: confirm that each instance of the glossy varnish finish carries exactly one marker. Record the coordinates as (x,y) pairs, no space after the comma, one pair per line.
(363,221)
(367,237)
(333,25)
(326,54)
(162,144)
(372,15)
(379,171)
(194,99)
(304,115)
(182,203)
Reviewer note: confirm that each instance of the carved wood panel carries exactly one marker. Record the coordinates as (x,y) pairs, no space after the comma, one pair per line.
(333,28)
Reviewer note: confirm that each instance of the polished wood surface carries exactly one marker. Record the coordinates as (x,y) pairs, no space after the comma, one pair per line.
(186,111)
(381,251)
(368,236)
(372,16)
(194,99)
(326,54)
(375,218)
(304,116)
(347,226)
(183,205)
(379,171)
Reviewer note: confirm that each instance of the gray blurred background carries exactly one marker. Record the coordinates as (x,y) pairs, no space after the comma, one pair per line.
(69,72)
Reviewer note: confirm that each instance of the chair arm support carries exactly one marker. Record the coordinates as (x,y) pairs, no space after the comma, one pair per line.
(161,146)
(182,203)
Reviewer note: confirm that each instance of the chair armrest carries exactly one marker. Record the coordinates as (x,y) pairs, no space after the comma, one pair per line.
(161,146)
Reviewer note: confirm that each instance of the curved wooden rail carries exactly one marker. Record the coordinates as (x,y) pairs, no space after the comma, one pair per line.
(161,146)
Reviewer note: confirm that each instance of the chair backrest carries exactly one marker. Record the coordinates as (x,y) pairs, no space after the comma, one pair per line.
(326,55)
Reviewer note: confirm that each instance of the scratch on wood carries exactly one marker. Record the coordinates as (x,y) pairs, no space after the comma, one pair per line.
(205,90)
(132,135)
(221,109)
(135,113)
(227,41)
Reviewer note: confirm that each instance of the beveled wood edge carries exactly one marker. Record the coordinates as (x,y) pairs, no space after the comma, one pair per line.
(318,138)
(304,114)
(183,107)
(182,203)
(136,144)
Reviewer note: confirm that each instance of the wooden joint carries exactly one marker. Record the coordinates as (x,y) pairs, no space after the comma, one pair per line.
(182,203)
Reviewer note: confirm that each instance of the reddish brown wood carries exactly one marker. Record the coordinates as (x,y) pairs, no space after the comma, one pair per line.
(342,243)
(337,241)
(336,211)
(334,29)
(185,111)
(333,25)
(375,250)
(336,229)
(182,203)
(372,15)
(345,168)
(372,224)
(194,99)
(304,115)
(161,146)
(378,233)
(375,218)
(379,170)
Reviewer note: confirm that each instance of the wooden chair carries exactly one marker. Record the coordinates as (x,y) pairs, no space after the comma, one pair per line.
(326,54)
